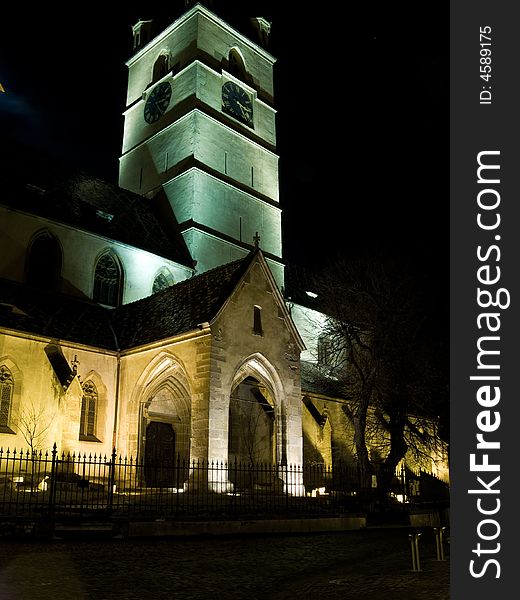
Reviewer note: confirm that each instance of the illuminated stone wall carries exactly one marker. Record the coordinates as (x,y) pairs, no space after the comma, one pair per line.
(212,200)
(80,251)
(177,366)
(310,324)
(271,358)
(196,83)
(225,209)
(317,437)
(41,400)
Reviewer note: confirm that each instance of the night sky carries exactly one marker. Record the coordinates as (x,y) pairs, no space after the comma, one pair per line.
(362,100)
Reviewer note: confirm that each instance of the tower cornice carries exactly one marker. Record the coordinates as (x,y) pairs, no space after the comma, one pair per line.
(202,10)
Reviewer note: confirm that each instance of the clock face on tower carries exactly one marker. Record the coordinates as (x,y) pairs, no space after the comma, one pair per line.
(157,102)
(236,102)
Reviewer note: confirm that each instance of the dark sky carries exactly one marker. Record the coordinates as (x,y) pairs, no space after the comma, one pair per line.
(362,100)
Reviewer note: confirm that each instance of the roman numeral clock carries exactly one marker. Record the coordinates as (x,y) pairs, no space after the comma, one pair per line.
(237,102)
(157,102)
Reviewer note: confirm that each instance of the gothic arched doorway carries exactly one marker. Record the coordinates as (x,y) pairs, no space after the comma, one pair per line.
(251,431)
(159,453)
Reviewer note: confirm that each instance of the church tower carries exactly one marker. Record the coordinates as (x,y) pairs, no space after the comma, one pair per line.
(200,130)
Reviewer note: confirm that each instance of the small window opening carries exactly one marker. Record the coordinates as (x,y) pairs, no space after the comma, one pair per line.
(257,320)
(236,64)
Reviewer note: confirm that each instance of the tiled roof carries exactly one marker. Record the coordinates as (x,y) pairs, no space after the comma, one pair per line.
(179,308)
(67,195)
(299,281)
(314,380)
(36,311)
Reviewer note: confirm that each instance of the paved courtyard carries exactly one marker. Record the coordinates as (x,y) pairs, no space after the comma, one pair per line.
(369,565)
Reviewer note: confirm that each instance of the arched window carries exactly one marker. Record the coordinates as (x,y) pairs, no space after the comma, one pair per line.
(6,396)
(89,407)
(236,64)
(43,263)
(163,279)
(160,67)
(107,281)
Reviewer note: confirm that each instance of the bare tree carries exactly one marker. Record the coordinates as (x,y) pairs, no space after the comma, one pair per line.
(379,324)
(252,424)
(33,424)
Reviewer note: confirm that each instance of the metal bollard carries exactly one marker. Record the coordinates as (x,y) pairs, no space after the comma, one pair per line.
(414,543)
(439,545)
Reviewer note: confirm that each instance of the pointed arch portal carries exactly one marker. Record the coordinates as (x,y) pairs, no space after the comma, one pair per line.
(164,407)
(251,430)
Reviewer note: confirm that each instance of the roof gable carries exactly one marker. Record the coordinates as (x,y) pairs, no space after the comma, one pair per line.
(256,258)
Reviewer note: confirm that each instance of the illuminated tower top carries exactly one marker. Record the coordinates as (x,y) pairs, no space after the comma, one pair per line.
(200,131)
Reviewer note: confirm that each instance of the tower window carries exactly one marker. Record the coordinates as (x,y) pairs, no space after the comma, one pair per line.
(43,265)
(107,281)
(89,405)
(6,397)
(236,64)
(160,67)
(257,320)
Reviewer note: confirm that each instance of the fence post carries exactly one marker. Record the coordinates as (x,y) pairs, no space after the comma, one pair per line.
(111,481)
(439,546)
(52,487)
(287,488)
(403,486)
(332,487)
(414,543)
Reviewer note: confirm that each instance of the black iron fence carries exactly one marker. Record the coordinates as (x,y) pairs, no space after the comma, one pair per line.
(57,484)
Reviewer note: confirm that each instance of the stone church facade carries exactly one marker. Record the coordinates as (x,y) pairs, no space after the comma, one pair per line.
(151,316)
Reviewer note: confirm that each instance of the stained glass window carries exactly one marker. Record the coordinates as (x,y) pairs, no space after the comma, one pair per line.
(107,281)
(89,403)
(6,395)
(163,280)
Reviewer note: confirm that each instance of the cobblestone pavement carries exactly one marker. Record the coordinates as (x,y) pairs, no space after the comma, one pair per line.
(370,564)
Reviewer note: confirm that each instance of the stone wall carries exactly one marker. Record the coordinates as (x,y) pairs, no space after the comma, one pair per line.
(80,252)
